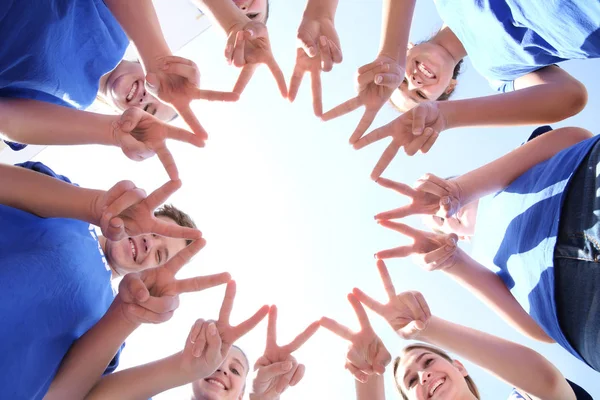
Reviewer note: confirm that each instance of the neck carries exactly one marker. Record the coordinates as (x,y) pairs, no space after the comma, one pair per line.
(102,241)
(450,42)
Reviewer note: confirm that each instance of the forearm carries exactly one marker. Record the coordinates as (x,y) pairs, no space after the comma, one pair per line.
(140,382)
(515,364)
(88,357)
(224,13)
(395,28)
(21,188)
(325,8)
(138,19)
(491,290)
(373,389)
(36,122)
(502,172)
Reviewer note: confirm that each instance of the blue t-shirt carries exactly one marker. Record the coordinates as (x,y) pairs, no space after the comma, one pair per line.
(506,39)
(57,50)
(516,234)
(55,284)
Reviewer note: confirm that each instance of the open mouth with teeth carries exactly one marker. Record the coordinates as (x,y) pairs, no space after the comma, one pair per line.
(425,70)
(435,386)
(216,383)
(133,249)
(133,91)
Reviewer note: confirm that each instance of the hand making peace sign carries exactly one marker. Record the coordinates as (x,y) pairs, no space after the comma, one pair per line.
(272,375)
(176,80)
(141,136)
(376,83)
(367,354)
(247,46)
(407,313)
(209,342)
(125,210)
(151,296)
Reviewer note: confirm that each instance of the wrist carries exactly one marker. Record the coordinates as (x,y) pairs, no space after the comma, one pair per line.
(394,55)
(318,9)
(118,314)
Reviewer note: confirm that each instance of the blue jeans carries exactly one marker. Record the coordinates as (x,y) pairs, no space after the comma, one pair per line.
(577,261)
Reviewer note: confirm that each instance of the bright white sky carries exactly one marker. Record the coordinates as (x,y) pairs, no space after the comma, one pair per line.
(287,206)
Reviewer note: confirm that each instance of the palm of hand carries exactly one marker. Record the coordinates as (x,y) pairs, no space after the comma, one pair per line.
(306,63)
(374,96)
(430,114)
(150,131)
(364,349)
(138,218)
(160,282)
(175,89)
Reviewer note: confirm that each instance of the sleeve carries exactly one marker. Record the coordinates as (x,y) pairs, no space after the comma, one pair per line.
(43,169)
(516,395)
(114,363)
(580,393)
(502,86)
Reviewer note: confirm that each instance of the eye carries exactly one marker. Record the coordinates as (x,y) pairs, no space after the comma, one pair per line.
(405,81)
(235,371)
(252,15)
(412,382)
(148,110)
(158,257)
(146,107)
(421,95)
(428,362)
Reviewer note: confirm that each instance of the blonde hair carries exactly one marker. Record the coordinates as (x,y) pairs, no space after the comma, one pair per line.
(470,383)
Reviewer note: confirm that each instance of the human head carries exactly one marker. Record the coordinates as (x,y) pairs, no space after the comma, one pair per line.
(256,10)
(421,367)
(123,88)
(228,382)
(462,223)
(431,74)
(138,253)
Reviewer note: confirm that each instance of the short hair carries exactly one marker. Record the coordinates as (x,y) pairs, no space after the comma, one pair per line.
(180,218)
(445,96)
(439,352)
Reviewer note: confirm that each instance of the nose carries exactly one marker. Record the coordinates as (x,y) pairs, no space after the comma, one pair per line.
(415,81)
(223,371)
(148,242)
(144,98)
(424,376)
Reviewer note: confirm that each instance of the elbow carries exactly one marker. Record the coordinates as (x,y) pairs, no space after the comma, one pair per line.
(573,97)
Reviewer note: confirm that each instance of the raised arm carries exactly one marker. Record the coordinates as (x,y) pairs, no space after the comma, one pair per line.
(409,315)
(373,389)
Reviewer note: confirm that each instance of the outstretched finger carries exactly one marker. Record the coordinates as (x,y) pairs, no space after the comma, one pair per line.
(169,229)
(302,337)
(401,228)
(183,135)
(295,81)
(184,256)
(272,327)
(315,79)
(160,195)
(215,95)
(396,252)
(368,301)
(337,328)
(245,76)
(388,285)
(374,136)
(249,324)
(200,283)
(385,160)
(363,318)
(278,75)
(364,124)
(342,109)
(398,187)
(227,304)
(190,119)
(399,212)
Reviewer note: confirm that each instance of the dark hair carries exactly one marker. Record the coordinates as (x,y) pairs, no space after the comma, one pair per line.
(439,352)
(446,95)
(180,218)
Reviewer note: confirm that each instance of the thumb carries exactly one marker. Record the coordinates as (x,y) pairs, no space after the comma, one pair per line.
(129,119)
(419,113)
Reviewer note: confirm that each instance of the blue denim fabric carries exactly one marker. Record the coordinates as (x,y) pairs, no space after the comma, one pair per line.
(577,261)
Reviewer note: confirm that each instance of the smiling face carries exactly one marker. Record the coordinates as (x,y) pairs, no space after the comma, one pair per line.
(429,71)
(141,252)
(422,374)
(227,382)
(462,223)
(125,89)
(256,10)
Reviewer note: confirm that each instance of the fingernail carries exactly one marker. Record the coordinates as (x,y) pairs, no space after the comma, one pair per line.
(445,200)
(250,32)
(228,48)
(386,67)
(212,329)
(287,366)
(323,40)
(378,79)
(197,352)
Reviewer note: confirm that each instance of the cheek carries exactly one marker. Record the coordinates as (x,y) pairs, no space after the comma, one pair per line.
(258,6)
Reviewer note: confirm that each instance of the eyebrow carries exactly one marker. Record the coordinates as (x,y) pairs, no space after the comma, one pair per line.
(416,361)
(239,362)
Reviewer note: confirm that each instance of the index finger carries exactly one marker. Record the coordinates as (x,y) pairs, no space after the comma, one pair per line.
(337,328)
(245,76)
(185,255)
(388,285)
(172,230)
(342,109)
(272,327)
(295,81)
(215,95)
(386,158)
(372,137)
(227,304)
(315,79)
(200,283)
(302,338)
(278,75)
(401,228)
(167,160)
(182,135)
(190,119)
(363,319)
(160,195)
(364,124)
(368,301)
(249,324)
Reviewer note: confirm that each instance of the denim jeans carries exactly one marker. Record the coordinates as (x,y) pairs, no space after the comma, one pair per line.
(577,261)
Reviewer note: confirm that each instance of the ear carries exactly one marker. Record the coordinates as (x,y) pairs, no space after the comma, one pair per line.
(451,86)
(460,367)
(410,45)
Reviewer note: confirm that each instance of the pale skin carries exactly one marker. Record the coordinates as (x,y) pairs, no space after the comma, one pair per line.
(248,43)
(318,49)
(420,372)
(207,355)
(452,202)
